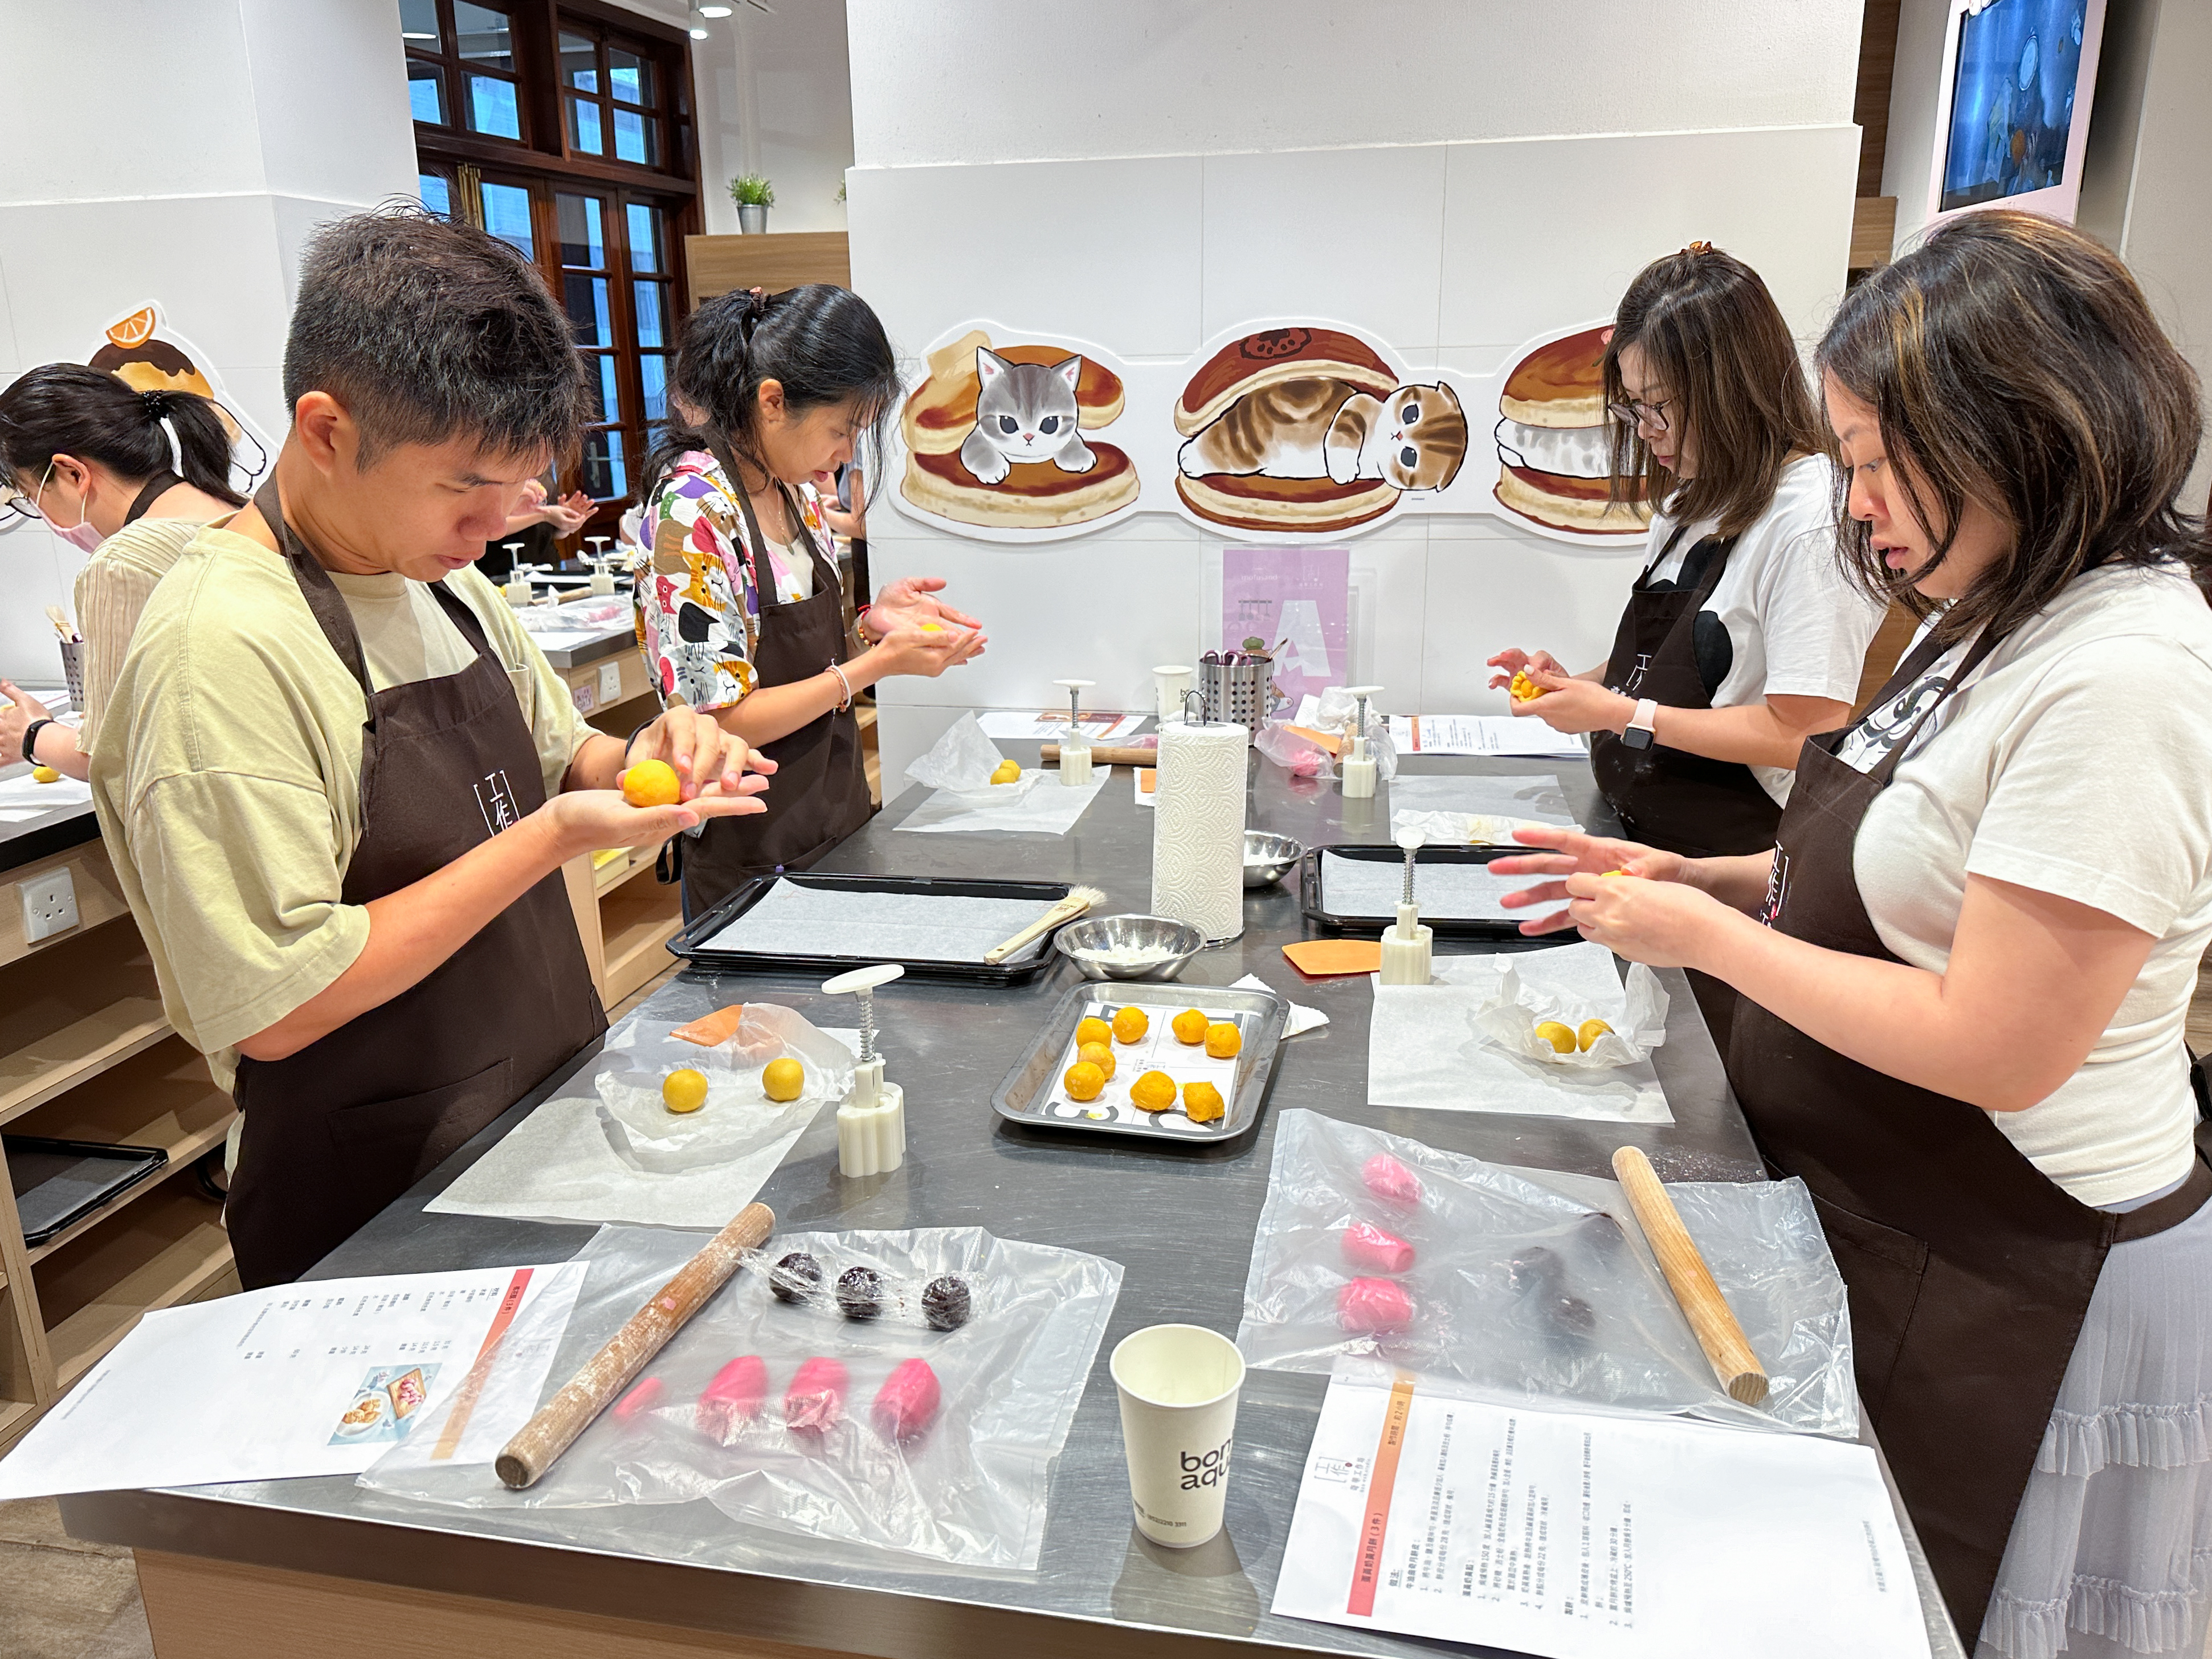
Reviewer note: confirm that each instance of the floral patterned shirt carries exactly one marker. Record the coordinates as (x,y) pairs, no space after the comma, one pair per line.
(693,589)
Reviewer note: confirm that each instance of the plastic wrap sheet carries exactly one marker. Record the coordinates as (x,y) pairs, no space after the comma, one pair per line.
(795,918)
(1524,1285)
(962,760)
(738,1119)
(968,1489)
(1368,889)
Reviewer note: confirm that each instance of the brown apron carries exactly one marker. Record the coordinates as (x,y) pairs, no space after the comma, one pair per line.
(336,1132)
(1666,798)
(1969,1270)
(819,794)
(156,487)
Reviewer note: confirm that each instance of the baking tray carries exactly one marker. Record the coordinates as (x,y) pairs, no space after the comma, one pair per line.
(60,1183)
(1026,1096)
(1311,898)
(1025,964)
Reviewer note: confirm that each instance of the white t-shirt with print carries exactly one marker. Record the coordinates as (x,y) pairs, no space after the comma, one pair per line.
(1799,626)
(2077,761)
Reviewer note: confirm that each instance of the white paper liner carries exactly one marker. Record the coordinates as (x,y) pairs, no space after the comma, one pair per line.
(738,1118)
(1039,806)
(1466,829)
(1159,1050)
(1639,1025)
(795,918)
(1368,889)
(1534,797)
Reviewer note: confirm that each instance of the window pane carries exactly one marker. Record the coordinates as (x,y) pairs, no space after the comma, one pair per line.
(602,401)
(437,193)
(632,76)
(604,475)
(491,107)
(636,136)
(644,237)
(483,38)
(587,311)
(581,243)
(649,328)
(653,371)
(584,127)
(579,62)
(418,23)
(507,216)
(426,93)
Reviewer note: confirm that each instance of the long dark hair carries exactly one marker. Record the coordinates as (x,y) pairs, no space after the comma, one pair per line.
(1713,337)
(67,409)
(823,344)
(2013,361)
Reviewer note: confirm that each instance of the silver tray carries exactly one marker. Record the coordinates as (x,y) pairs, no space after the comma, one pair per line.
(1026,1095)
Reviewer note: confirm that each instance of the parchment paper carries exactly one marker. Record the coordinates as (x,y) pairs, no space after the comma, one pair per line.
(1536,796)
(1448,892)
(796,919)
(1050,808)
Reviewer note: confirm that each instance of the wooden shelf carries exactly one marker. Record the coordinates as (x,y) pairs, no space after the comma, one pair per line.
(157,1253)
(638,920)
(15,1417)
(83,1005)
(614,874)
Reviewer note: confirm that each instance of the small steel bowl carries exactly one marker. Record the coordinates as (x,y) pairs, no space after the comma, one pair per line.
(1179,940)
(1268,859)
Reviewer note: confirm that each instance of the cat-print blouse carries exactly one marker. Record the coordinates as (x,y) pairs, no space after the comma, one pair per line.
(695,589)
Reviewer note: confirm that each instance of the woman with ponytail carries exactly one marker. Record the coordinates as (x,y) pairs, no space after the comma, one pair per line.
(127,477)
(739,604)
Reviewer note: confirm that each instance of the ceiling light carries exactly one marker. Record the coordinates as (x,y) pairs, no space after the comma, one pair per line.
(697,24)
(716,10)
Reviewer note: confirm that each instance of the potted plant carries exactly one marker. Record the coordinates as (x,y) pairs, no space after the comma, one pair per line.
(754,196)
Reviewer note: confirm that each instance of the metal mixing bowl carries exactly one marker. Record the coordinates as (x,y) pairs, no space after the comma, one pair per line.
(1178,939)
(1268,859)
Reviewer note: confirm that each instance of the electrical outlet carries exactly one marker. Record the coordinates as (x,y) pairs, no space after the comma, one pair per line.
(49,905)
(610,684)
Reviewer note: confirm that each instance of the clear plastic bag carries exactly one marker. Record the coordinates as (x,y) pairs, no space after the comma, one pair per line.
(738,1118)
(967,1486)
(1525,1285)
(961,763)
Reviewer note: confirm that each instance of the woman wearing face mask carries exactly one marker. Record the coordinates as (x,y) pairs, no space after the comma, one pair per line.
(127,477)
(1742,637)
(1966,968)
(739,604)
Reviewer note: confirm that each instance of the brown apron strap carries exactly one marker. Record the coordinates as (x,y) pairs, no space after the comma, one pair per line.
(156,487)
(2176,1207)
(323,600)
(1884,769)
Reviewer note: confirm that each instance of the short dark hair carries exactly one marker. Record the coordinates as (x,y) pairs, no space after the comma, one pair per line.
(428,330)
(2012,361)
(68,408)
(1716,341)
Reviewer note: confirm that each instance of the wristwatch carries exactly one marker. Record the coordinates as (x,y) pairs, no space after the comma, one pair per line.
(1640,734)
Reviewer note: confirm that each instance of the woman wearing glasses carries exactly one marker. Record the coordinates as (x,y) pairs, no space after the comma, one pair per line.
(127,477)
(1743,637)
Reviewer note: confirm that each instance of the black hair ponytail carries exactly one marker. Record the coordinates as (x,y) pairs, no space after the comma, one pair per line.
(67,409)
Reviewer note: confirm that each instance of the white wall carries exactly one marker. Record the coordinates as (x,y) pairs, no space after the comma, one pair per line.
(1449,179)
(222,132)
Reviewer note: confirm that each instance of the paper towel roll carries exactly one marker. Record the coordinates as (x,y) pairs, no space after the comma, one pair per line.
(1198,827)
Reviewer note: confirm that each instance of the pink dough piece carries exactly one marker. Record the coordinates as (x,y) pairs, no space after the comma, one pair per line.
(734,1397)
(1392,1181)
(815,1401)
(1373,1306)
(907,1403)
(1368,1246)
(639,1400)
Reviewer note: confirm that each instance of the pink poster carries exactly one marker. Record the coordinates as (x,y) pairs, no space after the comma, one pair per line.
(1296,601)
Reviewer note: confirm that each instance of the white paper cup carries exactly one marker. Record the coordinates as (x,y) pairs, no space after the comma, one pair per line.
(1169,681)
(1178,1385)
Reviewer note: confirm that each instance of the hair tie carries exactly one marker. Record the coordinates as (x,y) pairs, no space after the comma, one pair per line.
(756,309)
(159,403)
(1695,248)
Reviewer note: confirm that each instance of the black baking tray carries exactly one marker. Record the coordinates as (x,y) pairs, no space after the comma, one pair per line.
(1310,896)
(1035,955)
(60,1183)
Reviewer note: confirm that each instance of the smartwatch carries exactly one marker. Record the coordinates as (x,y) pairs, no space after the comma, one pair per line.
(1640,734)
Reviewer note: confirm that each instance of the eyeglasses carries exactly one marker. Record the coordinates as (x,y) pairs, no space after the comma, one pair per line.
(1630,412)
(14,503)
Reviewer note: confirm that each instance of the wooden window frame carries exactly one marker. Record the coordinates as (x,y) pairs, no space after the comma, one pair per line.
(454,70)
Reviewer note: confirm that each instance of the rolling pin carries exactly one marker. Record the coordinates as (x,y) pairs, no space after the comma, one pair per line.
(537,1445)
(1106,756)
(1692,1281)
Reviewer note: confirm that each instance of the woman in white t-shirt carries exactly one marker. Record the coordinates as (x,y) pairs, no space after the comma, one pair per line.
(1966,967)
(1743,637)
(128,477)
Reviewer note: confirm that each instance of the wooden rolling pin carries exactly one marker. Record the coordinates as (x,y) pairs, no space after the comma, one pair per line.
(540,1442)
(1702,1304)
(1106,755)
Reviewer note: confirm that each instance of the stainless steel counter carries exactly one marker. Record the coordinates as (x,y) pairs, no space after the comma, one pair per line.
(1179,1218)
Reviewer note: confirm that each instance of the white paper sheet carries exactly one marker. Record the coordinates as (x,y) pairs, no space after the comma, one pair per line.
(1370,888)
(1103,728)
(1533,795)
(1428,1512)
(1301,1019)
(1482,734)
(26,797)
(315,1378)
(1050,809)
(796,919)
(1425,1050)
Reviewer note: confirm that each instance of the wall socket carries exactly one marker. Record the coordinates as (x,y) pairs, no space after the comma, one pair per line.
(48,905)
(609,685)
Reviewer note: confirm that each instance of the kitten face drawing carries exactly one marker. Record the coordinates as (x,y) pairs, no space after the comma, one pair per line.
(1025,413)
(1318,427)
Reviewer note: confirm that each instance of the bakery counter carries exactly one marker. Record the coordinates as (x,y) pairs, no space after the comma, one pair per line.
(327,1564)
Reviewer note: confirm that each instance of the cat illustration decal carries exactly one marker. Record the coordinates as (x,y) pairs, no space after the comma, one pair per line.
(1025,412)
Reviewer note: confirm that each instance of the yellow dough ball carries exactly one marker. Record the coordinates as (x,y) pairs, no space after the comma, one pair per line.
(1130,1024)
(1224,1041)
(1092,1029)
(1083,1081)
(1612,872)
(783,1081)
(1006,772)
(1155,1091)
(931,628)
(1561,1037)
(1590,1031)
(1098,1054)
(1189,1027)
(651,783)
(685,1091)
(1525,689)
(1202,1102)
(44,774)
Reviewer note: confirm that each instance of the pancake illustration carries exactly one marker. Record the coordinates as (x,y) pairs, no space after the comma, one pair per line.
(1554,441)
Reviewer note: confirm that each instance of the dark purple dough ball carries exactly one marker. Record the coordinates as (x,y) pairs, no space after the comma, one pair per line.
(797,1277)
(859,1293)
(944,1304)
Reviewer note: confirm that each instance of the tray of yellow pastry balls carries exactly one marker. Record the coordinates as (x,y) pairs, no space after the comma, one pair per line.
(1165,1061)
